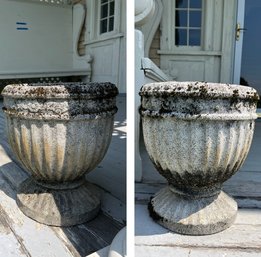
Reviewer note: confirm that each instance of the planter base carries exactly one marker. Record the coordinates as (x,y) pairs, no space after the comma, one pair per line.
(193,216)
(58,206)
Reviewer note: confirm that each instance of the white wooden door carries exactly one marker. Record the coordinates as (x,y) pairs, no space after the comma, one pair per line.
(197,39)
(248,47)
(247,69)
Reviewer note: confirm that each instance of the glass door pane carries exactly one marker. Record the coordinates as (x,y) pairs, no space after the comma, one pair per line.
(251,52)
(251,73)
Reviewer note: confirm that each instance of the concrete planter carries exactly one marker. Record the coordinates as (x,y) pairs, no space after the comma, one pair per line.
(197,135)
(59,132)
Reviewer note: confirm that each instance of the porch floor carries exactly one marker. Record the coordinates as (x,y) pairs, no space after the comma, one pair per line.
(22,236)
(242,239)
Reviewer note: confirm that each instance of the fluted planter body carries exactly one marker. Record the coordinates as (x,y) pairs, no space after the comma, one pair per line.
(59,132)
(197,135)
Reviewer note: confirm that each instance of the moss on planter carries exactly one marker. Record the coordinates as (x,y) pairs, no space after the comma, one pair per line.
(196,90)
(90,90)
(152,212)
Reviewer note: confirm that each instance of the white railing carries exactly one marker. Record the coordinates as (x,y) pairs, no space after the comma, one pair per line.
(145,72)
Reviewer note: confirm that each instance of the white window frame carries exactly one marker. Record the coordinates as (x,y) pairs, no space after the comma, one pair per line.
(208,28)
(108,16)
(116,25)
(188,47)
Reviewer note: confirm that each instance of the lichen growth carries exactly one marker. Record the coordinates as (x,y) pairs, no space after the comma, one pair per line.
(62,90)
(55,103)
(154,215)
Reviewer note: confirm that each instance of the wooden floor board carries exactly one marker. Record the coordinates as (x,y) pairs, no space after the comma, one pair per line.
(243,234)
(170,251)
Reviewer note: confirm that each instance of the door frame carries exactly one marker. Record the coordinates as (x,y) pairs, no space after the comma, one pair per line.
(239,42)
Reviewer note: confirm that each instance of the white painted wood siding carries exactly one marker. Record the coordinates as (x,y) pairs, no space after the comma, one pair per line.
(37,40)
(108,49)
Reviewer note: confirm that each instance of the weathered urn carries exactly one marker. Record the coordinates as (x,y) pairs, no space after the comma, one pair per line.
(197,135)
(59,132)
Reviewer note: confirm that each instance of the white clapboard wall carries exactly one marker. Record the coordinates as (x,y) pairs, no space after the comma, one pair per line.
(38,38)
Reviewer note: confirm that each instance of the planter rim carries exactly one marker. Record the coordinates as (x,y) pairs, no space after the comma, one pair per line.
(199,117)
(67,90)
(197,89)
(61,118)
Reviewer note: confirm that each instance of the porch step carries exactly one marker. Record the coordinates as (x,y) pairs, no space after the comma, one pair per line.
(241,239)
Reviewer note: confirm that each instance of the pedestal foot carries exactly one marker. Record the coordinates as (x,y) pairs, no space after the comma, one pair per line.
(58,207)
(193,216)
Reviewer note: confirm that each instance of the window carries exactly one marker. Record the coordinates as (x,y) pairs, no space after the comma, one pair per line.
(107,13)
(188,15)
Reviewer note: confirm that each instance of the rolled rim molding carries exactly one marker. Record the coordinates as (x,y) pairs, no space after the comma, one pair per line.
(204,90)
(64,101)
(198,101)
(182,116)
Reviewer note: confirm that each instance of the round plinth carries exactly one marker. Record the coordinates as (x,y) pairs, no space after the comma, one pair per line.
(59,206)
(192,215)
